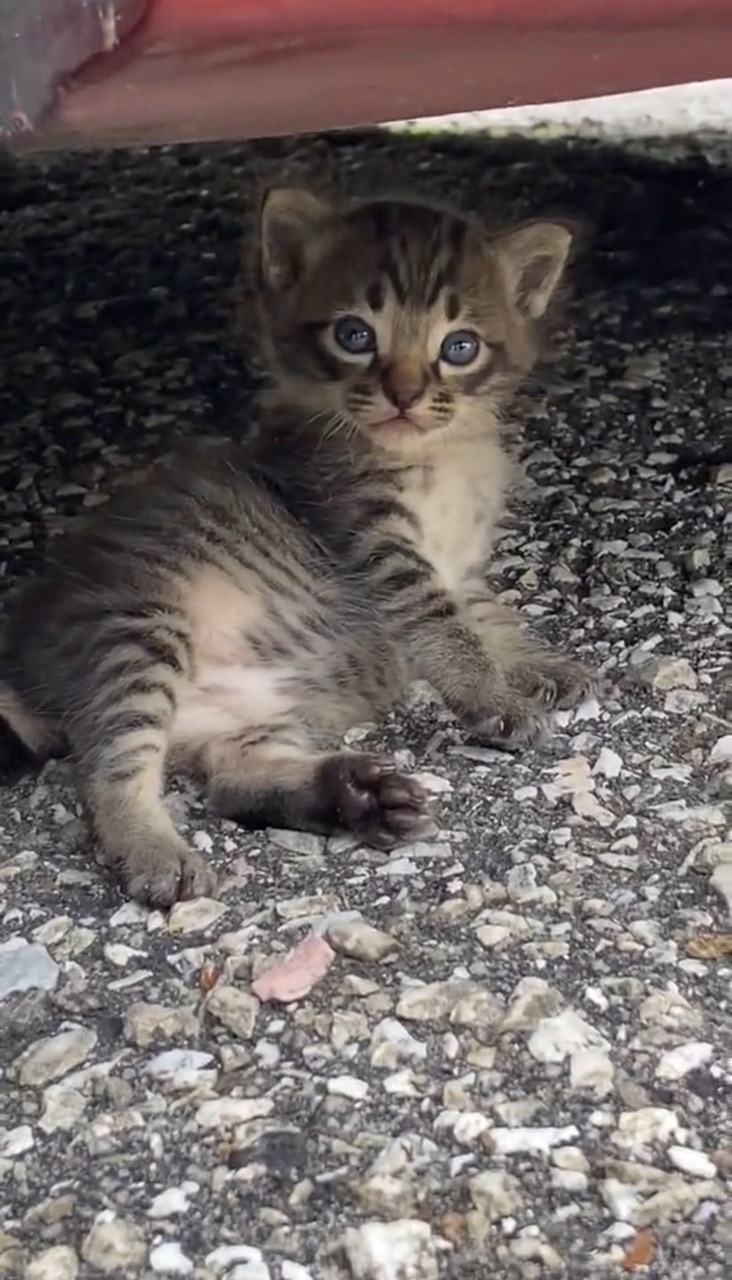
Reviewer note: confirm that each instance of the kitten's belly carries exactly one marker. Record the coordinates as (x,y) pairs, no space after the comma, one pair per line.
(227,699)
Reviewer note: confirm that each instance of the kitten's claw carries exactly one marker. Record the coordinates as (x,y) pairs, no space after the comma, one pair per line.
(165,876)
(511,730)
(374,800)
(551,680)
(520,714)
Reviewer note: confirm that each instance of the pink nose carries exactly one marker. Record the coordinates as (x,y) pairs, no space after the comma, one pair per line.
(403,392)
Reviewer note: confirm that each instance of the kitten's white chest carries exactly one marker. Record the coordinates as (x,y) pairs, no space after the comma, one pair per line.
(457,501)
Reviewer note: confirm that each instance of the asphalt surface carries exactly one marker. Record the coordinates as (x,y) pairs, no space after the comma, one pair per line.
(555,1098)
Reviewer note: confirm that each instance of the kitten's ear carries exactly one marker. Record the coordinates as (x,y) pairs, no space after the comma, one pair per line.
(289,222)
(533,258)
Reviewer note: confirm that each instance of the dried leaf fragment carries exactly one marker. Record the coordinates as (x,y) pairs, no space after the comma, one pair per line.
(709,946)
(640,1251)
(208,976)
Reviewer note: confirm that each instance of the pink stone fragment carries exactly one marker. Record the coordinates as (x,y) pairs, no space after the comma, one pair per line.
(296,974)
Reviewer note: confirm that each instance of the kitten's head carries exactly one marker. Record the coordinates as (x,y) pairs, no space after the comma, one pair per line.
(396,317)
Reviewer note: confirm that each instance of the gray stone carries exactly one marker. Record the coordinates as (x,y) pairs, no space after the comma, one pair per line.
(54,1056)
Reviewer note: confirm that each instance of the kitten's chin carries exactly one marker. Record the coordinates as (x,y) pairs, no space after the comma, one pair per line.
(396,426)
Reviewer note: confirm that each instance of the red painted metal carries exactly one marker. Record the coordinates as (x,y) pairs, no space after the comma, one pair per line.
(203,69)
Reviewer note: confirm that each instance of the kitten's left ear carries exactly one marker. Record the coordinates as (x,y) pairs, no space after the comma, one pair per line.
(290,221)
(532,259)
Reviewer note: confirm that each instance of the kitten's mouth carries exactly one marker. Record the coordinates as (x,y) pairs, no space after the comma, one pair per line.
(399,422)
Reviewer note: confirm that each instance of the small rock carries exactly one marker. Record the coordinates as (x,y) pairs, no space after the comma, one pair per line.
(678,1199)
(646,1127)
(114,1245)
(361,941)
(530,1246)
(13,1142)
(293,1271)
(310,907)
(566,1033)
(665,673)
(572,1158)
(172,1201)
(532,1000)
(669,1009)
(297,841)
(722,749)
(675,1064)
(168,1259)
(608,764)
(146,1024)
(592,1069)
(182,1068)
(392,1043)
(26,966)
(507,1142)
(694,1163)
(348,1087)
(495,1193)
(622,1200)
(57,1263)
(523,887)
(55,1056)
(236,1009)
(195,915)
(222,1113)
(477,1007)
(431,1002)
(239,1262)
(399,1250)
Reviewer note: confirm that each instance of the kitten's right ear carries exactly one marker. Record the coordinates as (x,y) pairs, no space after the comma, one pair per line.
(290,223)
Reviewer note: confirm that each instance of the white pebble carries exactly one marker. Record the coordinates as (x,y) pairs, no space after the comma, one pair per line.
(676,1063)
(13,1142)
(695,1163)
(507,1142)
(348,1087)
(168,1259)
(558,1037)
(170,1202)
(241,1260)
(293,1271)
(609,764)
(400,1250)
(722,749)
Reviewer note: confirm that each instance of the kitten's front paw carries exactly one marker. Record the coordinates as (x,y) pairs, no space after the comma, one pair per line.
(516,725)
(159,877)
(374,800)
(550,680)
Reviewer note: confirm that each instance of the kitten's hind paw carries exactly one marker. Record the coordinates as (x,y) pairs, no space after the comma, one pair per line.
(374,800)
(164,874)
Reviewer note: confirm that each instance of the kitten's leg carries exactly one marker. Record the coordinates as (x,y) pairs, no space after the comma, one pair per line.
(119,741)
(276,780)
(434,630)
(547,677)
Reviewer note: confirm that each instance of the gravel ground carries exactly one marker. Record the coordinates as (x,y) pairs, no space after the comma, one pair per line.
(514,1065)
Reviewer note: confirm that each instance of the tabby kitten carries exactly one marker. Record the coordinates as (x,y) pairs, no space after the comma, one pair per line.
(246,604)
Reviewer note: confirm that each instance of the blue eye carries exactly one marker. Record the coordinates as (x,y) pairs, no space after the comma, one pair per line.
(354,335)
(460,348)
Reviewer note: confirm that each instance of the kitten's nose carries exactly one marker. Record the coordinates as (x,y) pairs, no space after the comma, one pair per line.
(403,387)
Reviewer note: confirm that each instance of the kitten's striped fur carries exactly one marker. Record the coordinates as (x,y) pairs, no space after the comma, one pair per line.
(242,607)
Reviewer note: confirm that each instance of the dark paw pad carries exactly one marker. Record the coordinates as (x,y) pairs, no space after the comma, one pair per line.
(371,798)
